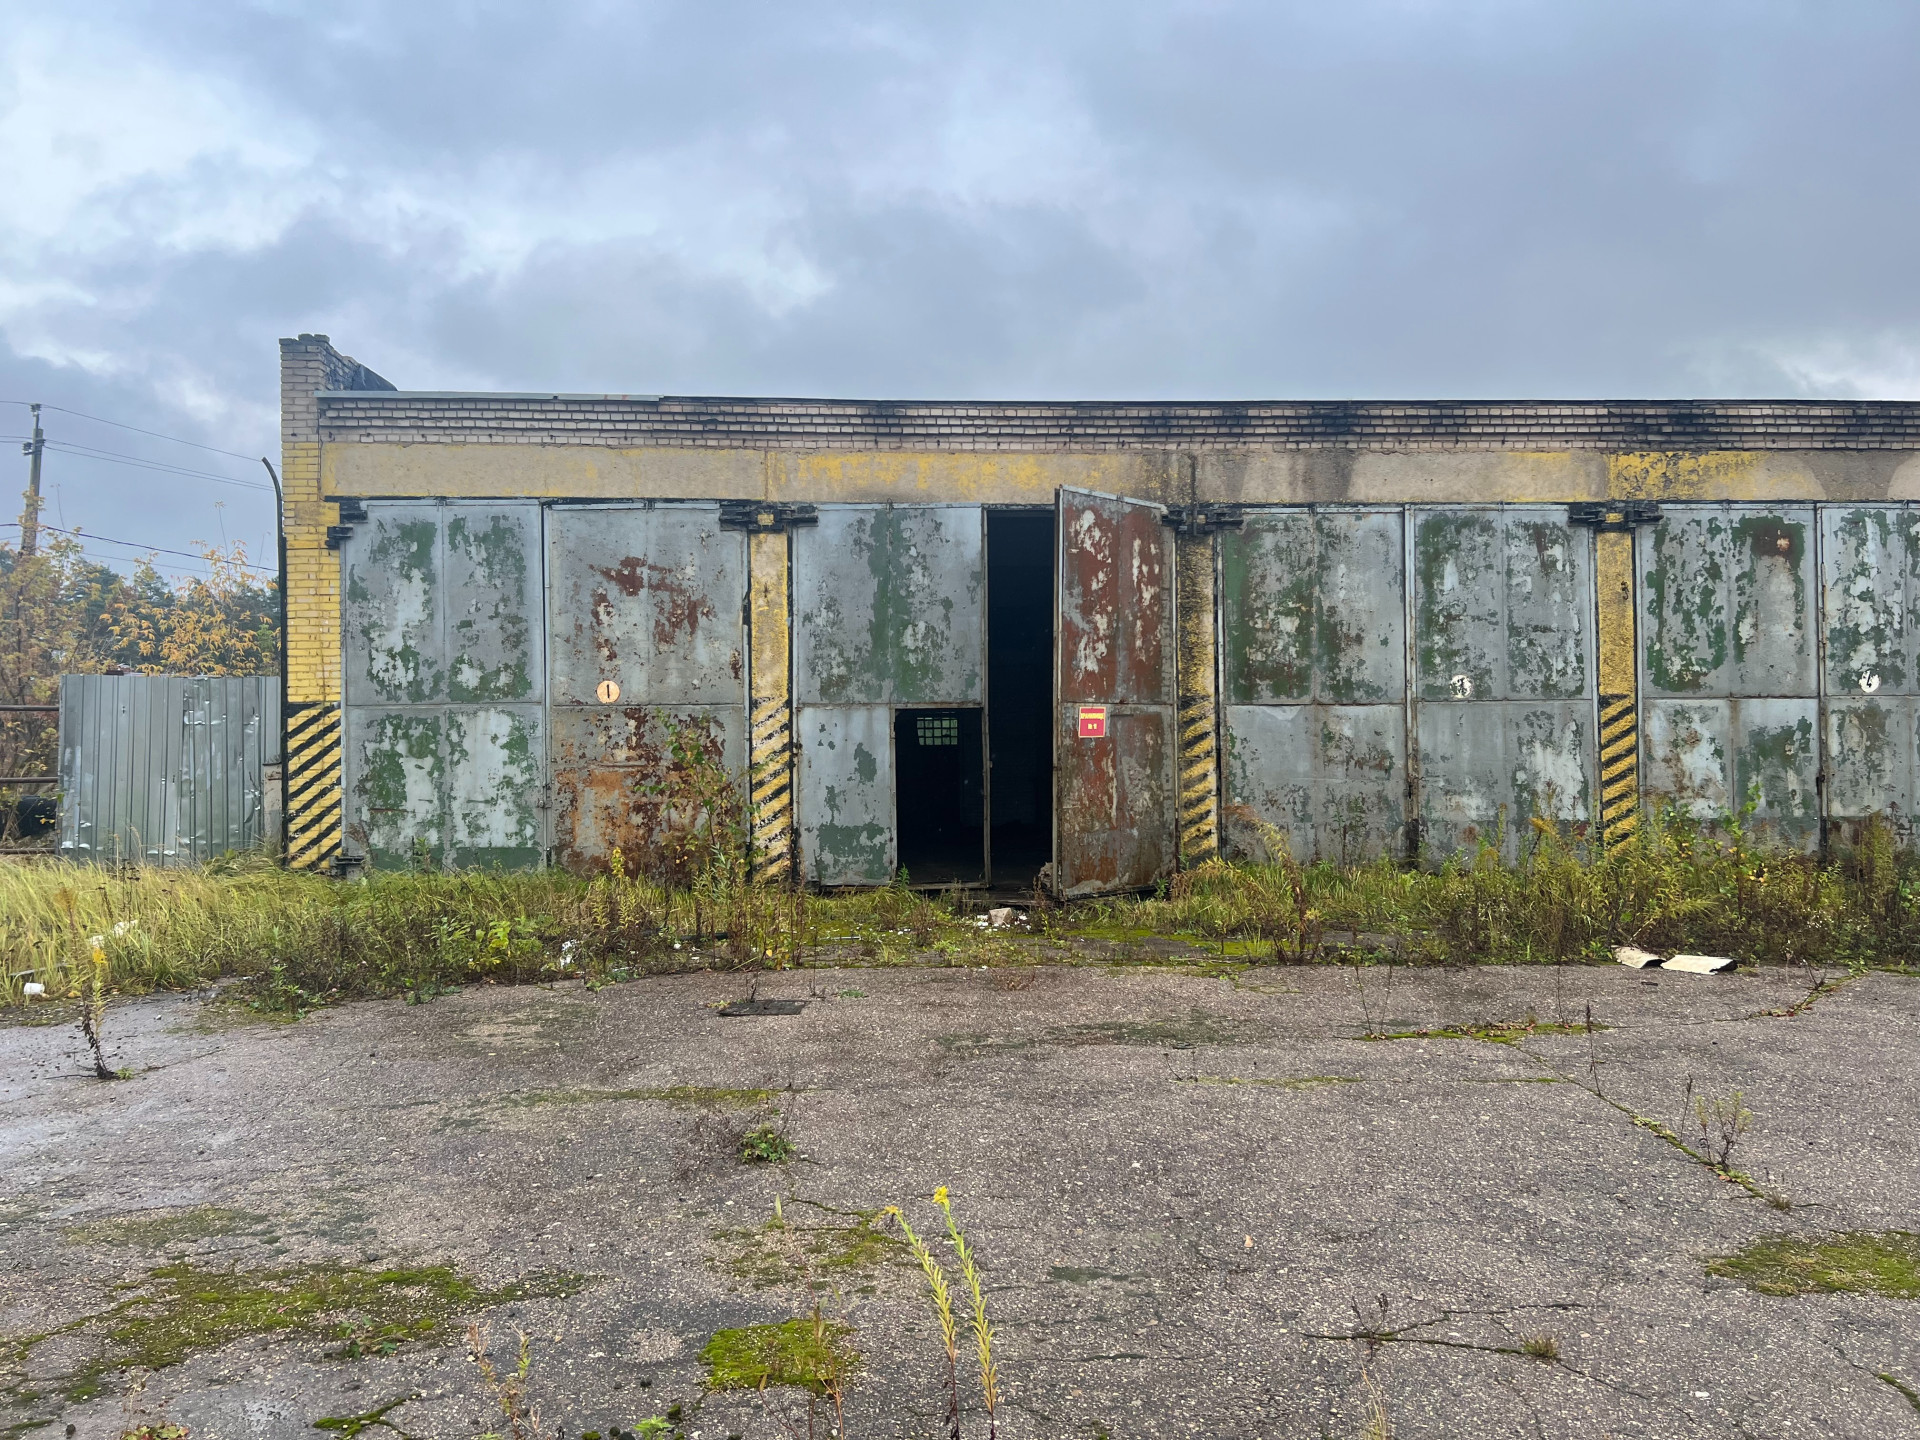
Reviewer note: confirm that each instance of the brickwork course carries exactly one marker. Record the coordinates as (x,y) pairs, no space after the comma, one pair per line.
(411,417)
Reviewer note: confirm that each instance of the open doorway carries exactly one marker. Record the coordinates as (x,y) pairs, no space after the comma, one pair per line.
(1020,547)
(939,807)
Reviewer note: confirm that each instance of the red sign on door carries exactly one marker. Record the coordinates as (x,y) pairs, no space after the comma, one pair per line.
(1093,722)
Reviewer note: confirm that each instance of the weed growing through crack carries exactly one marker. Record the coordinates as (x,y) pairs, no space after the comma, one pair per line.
(506,1389)
(1717,1123)
(767,1145)
(1376,1424)
(982,1330)
(941,1295)
(93,1014)
(1542,1346)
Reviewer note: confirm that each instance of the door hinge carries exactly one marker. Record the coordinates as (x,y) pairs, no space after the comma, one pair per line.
(1204,519)
(1613,514)
(765,518)
(336,534)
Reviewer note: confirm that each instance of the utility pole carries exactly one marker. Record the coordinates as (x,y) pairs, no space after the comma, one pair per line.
(30,517)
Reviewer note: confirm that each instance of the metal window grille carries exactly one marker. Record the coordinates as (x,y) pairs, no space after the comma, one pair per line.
(938,729)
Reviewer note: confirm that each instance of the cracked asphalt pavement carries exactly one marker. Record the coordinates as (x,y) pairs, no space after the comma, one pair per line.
(1189,1195)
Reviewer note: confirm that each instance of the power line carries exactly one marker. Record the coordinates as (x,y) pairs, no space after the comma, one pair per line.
(136,545)
(115,457)
(120,457)
(121,424)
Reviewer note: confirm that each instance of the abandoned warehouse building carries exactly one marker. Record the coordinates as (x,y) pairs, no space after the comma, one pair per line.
(1088,643)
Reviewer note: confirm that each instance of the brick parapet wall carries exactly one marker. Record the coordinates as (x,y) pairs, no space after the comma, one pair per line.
(397,417)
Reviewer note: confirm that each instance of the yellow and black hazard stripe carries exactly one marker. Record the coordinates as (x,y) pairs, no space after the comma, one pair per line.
(770,706)
(772,788)
(1619,768)
(1199,781)
(1198,713)
(313,785)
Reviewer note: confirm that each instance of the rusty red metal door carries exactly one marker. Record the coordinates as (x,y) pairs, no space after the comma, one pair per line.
(1114,820)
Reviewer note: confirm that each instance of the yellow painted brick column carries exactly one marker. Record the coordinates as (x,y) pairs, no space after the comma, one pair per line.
(1199,712)
(311,706)
(770,705)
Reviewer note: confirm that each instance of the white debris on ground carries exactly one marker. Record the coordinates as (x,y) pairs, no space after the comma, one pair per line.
(1700,964)
(1635,958)
(1002,916)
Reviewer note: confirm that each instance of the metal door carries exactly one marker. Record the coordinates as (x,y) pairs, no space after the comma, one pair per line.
(1314,664)
(444,685)
(1870,591)
(1503,608)
(1114,820)
(1728,664)
(889,610)
(646,640)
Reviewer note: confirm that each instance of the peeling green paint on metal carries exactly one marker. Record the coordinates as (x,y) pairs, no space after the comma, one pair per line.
(1311,608)
(1268,577)
(855,850)
(1686,754)
(1330,779)
(393,617)
(1871,755)
(490,654)
(398,791)
(1551,769)
(1360,618)
(1869,560)
(1547,604)
(846,793)
(1457,620)
(1769,595)
(1686,633)
(1773,769)
(891,606)
(494,759)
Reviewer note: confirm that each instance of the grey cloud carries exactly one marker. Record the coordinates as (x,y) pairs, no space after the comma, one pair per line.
(1243,200)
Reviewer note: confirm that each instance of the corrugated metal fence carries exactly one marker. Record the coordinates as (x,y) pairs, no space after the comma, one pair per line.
(166,769)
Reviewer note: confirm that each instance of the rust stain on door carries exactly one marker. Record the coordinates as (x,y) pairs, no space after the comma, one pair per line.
(1115,821)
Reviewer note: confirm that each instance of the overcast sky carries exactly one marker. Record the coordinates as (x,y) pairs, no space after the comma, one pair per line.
(1376,198)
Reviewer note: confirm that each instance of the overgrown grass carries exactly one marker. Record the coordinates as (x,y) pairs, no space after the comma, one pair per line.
(307,940)
(1677,885)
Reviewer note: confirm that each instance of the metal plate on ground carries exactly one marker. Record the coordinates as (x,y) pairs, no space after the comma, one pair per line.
(763,1007)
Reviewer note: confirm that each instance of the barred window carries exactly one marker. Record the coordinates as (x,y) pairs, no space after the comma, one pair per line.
(938,729)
